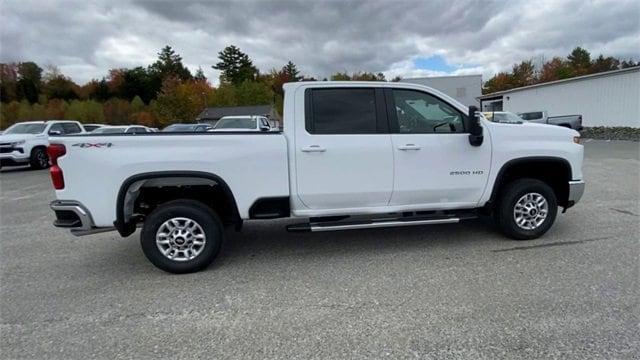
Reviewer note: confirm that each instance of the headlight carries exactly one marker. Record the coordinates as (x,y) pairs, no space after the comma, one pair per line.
(577,140)
(17,143)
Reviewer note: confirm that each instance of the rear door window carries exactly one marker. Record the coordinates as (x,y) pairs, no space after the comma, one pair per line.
(342,111)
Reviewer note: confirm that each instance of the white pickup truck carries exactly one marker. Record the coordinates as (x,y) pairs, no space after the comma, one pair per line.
(25,143)
(352,155)
(541,117)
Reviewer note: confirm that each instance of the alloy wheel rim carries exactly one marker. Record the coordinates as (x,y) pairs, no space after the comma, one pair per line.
(42,159)
(180,239)
(530,211)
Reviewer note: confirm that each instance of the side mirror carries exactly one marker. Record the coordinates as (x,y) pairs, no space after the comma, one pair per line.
(55,132)
(475,129)
(264,128)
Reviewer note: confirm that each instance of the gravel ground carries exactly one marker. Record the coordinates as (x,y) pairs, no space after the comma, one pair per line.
(433,292)
(611,133)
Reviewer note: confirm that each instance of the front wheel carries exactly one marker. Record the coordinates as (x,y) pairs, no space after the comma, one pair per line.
(181,236)
(526,209)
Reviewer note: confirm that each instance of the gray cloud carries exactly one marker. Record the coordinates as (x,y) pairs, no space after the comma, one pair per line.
(87,38)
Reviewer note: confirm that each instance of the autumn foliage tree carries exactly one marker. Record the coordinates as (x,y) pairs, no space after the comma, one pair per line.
(181,101)
(577,63)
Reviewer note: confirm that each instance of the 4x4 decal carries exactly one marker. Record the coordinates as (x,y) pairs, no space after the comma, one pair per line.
(95,145)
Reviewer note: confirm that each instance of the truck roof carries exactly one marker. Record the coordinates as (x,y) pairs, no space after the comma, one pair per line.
(353,83)
(292,86)
(44,121)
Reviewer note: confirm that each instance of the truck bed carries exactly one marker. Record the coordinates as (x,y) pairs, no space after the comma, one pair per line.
(254,165)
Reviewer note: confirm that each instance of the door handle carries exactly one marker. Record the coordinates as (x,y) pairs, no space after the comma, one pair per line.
(409,147)
(313,148)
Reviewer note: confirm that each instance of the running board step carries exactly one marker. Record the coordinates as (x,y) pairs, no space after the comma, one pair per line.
(375,223)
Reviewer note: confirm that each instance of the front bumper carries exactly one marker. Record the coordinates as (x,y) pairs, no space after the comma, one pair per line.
(576,189)
(74,216)
(13,156)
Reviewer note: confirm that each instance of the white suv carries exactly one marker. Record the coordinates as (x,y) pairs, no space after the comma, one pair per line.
(26,142)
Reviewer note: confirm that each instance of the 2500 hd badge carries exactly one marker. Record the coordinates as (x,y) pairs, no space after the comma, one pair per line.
(467,172)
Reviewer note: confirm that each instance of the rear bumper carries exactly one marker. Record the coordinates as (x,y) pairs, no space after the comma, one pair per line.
(576,189)
(74,216)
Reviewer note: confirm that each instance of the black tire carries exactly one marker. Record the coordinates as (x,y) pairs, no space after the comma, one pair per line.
(39,158)
(509,197)
(206,218)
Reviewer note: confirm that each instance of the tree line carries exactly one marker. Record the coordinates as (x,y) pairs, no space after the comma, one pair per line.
(577,63)
(166,91)
(162,93)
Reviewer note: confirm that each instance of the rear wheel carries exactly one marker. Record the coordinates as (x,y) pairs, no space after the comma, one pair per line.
(39,158)
(181,236)
(526,209)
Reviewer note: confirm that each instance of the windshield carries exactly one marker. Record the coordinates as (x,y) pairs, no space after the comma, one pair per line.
(503,117)
(107,130)
(180,127)
(33,128)
(531,115)
(236,123)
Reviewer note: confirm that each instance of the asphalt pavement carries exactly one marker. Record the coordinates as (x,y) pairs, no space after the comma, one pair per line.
(429,292)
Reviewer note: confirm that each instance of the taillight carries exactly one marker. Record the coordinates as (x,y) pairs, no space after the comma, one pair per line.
(55,151)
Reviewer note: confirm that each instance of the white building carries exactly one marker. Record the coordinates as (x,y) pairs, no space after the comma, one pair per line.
(464,88)
(610,98)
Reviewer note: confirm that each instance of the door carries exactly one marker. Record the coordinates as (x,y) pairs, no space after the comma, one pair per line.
(343,151)
(435,166)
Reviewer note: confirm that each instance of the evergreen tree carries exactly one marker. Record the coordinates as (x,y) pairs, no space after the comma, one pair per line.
(169,63)
(290,70)
(579,61)
(602,63)
(29,81)
(200,75)
(236,66)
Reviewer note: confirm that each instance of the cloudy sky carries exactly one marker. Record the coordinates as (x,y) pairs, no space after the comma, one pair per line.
(408,38)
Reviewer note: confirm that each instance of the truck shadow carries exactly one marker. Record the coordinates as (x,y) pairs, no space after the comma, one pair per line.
(263,241)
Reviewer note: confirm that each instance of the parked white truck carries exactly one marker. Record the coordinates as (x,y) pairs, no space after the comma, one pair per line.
(352,155)
(541,117)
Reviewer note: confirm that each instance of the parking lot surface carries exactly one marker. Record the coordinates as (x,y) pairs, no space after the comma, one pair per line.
(443,291)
